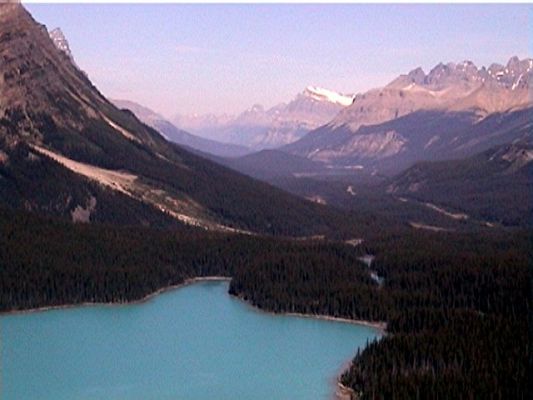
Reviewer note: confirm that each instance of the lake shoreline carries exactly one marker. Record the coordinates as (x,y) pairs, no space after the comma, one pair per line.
(380,326)
(144,299)
(341,392)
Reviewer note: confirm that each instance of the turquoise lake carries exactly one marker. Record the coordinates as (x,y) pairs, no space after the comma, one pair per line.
(193,343)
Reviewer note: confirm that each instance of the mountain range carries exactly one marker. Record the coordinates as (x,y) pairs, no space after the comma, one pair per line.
(439,115)
(259,128)
(65,150)
(421,116)
(455,110)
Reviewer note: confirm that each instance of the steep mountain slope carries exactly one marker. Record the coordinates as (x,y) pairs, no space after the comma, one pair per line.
(261,128)
(167,129)
(61,42)
(34,182)
(494,185)
(50,111)
(156,121)
(456,95)
(393,146)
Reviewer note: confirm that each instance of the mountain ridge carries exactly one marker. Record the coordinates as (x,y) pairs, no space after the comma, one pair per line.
(493,185)
(155,120)
(54,122)
(449,89)
(261,128)
(179,136)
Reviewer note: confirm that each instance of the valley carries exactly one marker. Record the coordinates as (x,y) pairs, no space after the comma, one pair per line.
(405,207)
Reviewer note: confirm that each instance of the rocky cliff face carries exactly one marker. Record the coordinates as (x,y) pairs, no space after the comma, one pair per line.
(450,86)
(61,42)
(41,88)
(448,89)
(32,70)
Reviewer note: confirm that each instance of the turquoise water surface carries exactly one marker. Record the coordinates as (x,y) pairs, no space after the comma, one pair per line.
(193,343)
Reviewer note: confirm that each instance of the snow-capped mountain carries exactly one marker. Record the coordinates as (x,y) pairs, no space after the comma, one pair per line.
(451,97)
(261,128)
(322,94)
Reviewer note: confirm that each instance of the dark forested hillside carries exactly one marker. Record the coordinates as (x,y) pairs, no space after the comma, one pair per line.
(459,319)
(33,182)
(456,305)
(494,185)
(270,164)
(47,262)
(487,189)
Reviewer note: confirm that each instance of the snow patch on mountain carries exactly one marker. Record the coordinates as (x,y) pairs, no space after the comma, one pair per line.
(322,94)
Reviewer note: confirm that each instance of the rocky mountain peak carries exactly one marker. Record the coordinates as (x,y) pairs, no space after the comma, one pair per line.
(515,74)
(257,108)
(513,63)
(60,41)
(462,89)
(417,76)
(445,75)
(9,6)
(41,90)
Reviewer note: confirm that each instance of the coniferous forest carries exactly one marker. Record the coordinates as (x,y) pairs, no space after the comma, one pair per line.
(456,305)
(93,202)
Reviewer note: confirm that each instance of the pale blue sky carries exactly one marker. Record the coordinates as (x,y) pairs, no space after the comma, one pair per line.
(179,58)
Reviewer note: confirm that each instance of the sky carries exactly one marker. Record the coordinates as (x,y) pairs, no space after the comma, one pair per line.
(224,58)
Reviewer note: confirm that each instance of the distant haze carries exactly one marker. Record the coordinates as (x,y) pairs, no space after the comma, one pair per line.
(186,59)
